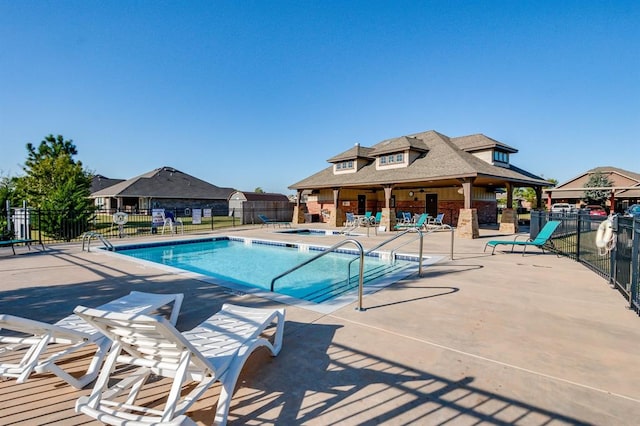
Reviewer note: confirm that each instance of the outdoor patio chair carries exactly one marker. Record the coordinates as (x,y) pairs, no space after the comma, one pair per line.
(543,239)
(70,333)
(377,219)
(417,224)
(25,241)
(150,347)
(266,222)
(435,222)
(169,220)
(350,219)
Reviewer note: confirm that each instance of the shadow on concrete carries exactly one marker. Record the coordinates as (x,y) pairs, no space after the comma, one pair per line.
(316,381)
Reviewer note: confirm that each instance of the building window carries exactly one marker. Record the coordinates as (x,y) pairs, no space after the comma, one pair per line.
(393,160)
(344,165)
(500,156)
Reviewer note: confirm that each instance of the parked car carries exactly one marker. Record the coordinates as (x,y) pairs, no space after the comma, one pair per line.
(562,208)
(596,210)
(633,211)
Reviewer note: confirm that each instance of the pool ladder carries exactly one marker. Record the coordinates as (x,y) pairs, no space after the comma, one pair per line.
(362,254)
(326,252)
(87,236)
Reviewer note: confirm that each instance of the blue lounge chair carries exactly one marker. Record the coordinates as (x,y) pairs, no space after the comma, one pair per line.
(417,225)
(25,241)
(266,222)
(543,239)
(436,222)
(377,219)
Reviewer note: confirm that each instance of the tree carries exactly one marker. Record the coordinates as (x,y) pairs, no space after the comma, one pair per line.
(258,190)
(597,196)
(59,186)
(7,191)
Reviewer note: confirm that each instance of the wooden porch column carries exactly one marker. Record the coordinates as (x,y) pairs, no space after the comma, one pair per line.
(612,202)
(298,214)
(538,190)
(388,214)
(335,220)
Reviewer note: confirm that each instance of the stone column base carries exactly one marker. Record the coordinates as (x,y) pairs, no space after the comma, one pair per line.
(468,224)
(388,218)
(298,215)
(509,221)
(334,222)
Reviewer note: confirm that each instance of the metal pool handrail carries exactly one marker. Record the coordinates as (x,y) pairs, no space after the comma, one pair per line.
(387,241)
(87,237)
(327,251)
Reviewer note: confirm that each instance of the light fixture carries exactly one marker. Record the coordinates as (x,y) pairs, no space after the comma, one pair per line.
(410,193)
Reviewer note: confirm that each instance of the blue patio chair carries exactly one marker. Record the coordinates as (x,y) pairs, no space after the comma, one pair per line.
(417,225)
(543,239)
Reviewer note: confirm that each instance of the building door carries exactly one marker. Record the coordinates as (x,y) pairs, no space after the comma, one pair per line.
(431,204)
(362,204)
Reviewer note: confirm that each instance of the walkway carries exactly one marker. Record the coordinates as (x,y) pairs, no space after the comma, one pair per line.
(504,339)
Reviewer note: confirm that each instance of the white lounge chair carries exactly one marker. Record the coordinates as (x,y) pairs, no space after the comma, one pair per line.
(214,351)
(174,223)
(71,333)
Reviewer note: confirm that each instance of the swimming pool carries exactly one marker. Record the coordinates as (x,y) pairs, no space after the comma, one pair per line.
(250,265)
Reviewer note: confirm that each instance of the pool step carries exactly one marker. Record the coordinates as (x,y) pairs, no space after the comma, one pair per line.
(342,287)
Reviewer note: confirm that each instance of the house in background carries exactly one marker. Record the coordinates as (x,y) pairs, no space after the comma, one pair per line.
(166,188)
(425,172)
(248,205)
(624,192)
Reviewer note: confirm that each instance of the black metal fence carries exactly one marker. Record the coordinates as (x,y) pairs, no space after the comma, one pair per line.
(576,238)
(47,226)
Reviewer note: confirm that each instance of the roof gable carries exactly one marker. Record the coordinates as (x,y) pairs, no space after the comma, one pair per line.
(357,151)
(480,142)
(165,182)
(618,177)
(402,143)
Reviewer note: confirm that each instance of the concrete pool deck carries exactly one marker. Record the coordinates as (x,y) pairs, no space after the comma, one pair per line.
(480,339)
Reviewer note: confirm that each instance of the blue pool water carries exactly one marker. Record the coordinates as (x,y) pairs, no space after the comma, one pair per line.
(255,264)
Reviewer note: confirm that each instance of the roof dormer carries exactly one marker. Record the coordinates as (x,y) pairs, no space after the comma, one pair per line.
(351,160)
(398,152)
(486,149)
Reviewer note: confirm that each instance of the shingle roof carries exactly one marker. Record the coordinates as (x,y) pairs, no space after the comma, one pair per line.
(165,182)
(479,141)
(442,159)
(99,182)
(353,153)
(262,196)
(618,177)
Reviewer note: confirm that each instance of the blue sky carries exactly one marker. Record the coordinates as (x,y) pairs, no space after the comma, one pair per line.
(250,94)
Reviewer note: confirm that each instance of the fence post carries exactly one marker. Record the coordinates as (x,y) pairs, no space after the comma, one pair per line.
(613,254)
(578,234)
(635,253)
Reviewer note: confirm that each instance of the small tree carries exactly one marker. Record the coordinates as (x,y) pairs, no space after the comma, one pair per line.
(597,196)
(258,190)
(58,185)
